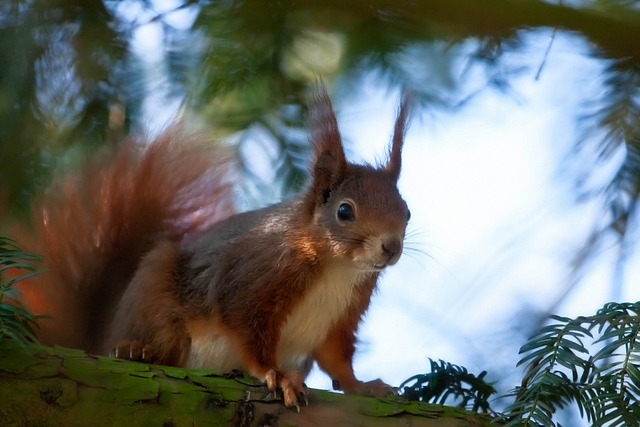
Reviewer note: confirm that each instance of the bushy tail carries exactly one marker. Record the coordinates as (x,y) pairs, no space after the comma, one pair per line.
(93,227)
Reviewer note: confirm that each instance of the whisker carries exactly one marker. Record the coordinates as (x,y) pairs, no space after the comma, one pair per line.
(418,252)
(416,232)
(418,255)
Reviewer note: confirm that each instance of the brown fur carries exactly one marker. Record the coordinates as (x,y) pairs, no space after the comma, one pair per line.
(268,291)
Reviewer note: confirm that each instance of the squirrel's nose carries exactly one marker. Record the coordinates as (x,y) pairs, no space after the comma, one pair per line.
(391,248)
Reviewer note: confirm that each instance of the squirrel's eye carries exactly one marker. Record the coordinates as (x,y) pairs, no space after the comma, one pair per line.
(345,212)
(408,215)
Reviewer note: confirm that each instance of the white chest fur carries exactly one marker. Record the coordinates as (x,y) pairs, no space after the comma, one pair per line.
(311,320)
(211,350)
(306,327)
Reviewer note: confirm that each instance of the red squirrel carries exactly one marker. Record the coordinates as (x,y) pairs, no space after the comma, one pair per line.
(148,259)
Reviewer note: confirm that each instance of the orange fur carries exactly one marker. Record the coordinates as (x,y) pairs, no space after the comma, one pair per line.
(93,226)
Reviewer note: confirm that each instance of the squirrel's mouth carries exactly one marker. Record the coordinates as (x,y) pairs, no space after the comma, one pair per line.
(374,264)
(371,267)
(379,267)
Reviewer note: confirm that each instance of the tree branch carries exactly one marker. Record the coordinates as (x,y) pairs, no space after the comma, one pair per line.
(57,386)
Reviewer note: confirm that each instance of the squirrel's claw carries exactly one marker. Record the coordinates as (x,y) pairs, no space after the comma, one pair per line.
(133,350)
(291,384)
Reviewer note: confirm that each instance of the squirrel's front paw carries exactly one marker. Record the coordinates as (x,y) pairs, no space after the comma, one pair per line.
(291,384)
(134,351)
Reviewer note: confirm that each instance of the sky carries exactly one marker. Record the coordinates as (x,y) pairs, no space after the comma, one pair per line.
(494,216)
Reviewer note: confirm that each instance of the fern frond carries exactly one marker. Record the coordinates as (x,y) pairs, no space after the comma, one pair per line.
(446,382)
(15,321)
(618,362)
(560,369)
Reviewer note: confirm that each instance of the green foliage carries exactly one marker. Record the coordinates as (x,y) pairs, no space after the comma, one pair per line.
(15,322)
(60,73)
(448,381)
(592,362)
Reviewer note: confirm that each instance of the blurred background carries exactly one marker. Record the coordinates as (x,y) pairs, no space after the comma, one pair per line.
(521,166)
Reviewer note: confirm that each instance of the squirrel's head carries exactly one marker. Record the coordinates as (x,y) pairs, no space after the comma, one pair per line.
(358,206)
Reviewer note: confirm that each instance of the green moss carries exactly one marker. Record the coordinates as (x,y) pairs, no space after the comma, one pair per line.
(61,387)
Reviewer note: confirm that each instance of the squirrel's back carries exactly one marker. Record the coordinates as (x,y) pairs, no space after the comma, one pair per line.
(93,227)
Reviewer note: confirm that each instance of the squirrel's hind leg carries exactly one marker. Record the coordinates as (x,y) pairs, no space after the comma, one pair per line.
(150,324)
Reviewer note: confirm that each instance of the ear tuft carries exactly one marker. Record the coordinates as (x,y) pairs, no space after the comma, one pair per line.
(394,165)
(330,162)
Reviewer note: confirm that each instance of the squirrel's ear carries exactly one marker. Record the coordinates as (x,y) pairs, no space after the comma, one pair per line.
(330,162)
(395,151)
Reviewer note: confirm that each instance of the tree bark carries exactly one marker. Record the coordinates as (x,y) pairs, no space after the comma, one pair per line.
(63,387)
